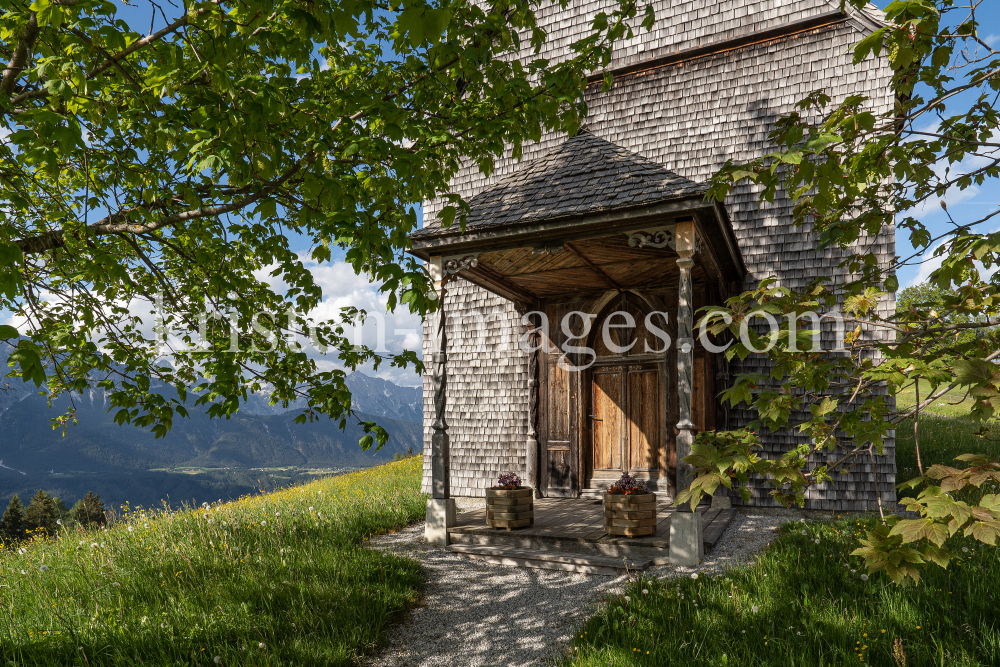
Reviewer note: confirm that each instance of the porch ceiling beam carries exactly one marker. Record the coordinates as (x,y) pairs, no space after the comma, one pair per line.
(596,269)
(498,284)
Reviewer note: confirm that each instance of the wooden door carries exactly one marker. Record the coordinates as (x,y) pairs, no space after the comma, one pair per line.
(644,417)
(607,419)
(560,431)
(626,419)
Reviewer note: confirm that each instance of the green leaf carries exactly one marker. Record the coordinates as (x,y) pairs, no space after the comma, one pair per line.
(939,557)
(213,164)
(974,371)
(649,17)
(393,131)
(447,216)
(10,254)
(7,332)
(870,44)
(912,530)
(31,367)
(46,12)
(434,24)
(410,22)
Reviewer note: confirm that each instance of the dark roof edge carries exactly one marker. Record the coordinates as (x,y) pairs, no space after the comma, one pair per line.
(785,30)
(867,19)
(517,235)
(455,230)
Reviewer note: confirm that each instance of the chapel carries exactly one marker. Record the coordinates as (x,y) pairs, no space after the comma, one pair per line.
(605,241)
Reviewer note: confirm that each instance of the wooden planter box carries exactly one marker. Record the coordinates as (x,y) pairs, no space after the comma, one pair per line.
(510,508)
(630,516)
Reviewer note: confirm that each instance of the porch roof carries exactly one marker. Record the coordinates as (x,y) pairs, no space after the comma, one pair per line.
(583,175)
(613,210)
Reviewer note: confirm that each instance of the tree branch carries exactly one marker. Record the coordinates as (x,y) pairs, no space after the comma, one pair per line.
(22,52)
(112,61)
(117,223)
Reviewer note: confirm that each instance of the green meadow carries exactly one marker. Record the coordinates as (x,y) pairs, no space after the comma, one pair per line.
(276,579)
(804,602)
(945,431)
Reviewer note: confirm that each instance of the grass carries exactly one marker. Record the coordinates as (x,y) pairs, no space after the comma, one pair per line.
(276,579)
(946,430)
(956,403)
(803,603)
(941,440)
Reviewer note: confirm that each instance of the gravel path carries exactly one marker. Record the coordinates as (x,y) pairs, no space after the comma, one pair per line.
(476,613)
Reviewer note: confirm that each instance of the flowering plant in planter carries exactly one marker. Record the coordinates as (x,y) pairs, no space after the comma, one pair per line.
(508,480)
(508,504)
(628,486)
(629,508)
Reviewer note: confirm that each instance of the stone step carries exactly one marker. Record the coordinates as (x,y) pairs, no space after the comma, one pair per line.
(550,560)
(610,548)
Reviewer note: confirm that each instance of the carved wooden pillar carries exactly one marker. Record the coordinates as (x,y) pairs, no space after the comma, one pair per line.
(531,445)
(686,546)
(440,465)
(685,352)
(441,514)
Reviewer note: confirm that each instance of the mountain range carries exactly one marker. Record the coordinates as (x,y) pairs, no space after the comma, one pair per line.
(125,463)
(372,396)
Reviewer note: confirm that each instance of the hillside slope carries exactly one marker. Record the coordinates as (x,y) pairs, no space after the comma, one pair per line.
(372,396)
(275,579)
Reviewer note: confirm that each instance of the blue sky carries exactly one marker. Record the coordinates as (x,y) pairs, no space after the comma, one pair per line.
(967,205)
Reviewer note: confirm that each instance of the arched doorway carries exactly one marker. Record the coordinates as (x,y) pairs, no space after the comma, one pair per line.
(626,402)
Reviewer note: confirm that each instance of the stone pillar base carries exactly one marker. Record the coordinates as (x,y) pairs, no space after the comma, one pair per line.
(441,516)
(686,545)
(720,502)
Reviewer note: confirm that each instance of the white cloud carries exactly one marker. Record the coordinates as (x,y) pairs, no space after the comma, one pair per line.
(929,264)
(386,331)
(954,196)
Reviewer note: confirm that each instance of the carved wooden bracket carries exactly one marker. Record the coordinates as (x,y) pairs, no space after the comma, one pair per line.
(657,237)
(453,264)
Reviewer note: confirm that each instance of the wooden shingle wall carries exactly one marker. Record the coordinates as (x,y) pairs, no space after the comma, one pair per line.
(487,411)
(691,117)
(681,25)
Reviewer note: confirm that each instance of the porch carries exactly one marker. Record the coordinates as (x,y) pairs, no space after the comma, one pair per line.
(568,534)
(595,249)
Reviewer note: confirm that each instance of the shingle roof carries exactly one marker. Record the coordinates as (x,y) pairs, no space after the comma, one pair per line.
(583,175)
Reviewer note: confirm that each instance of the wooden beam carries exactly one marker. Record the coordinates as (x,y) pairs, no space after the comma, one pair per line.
(608,279)
(494,282)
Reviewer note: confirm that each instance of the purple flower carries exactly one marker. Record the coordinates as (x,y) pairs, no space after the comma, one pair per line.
(628,485)
(508,480)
